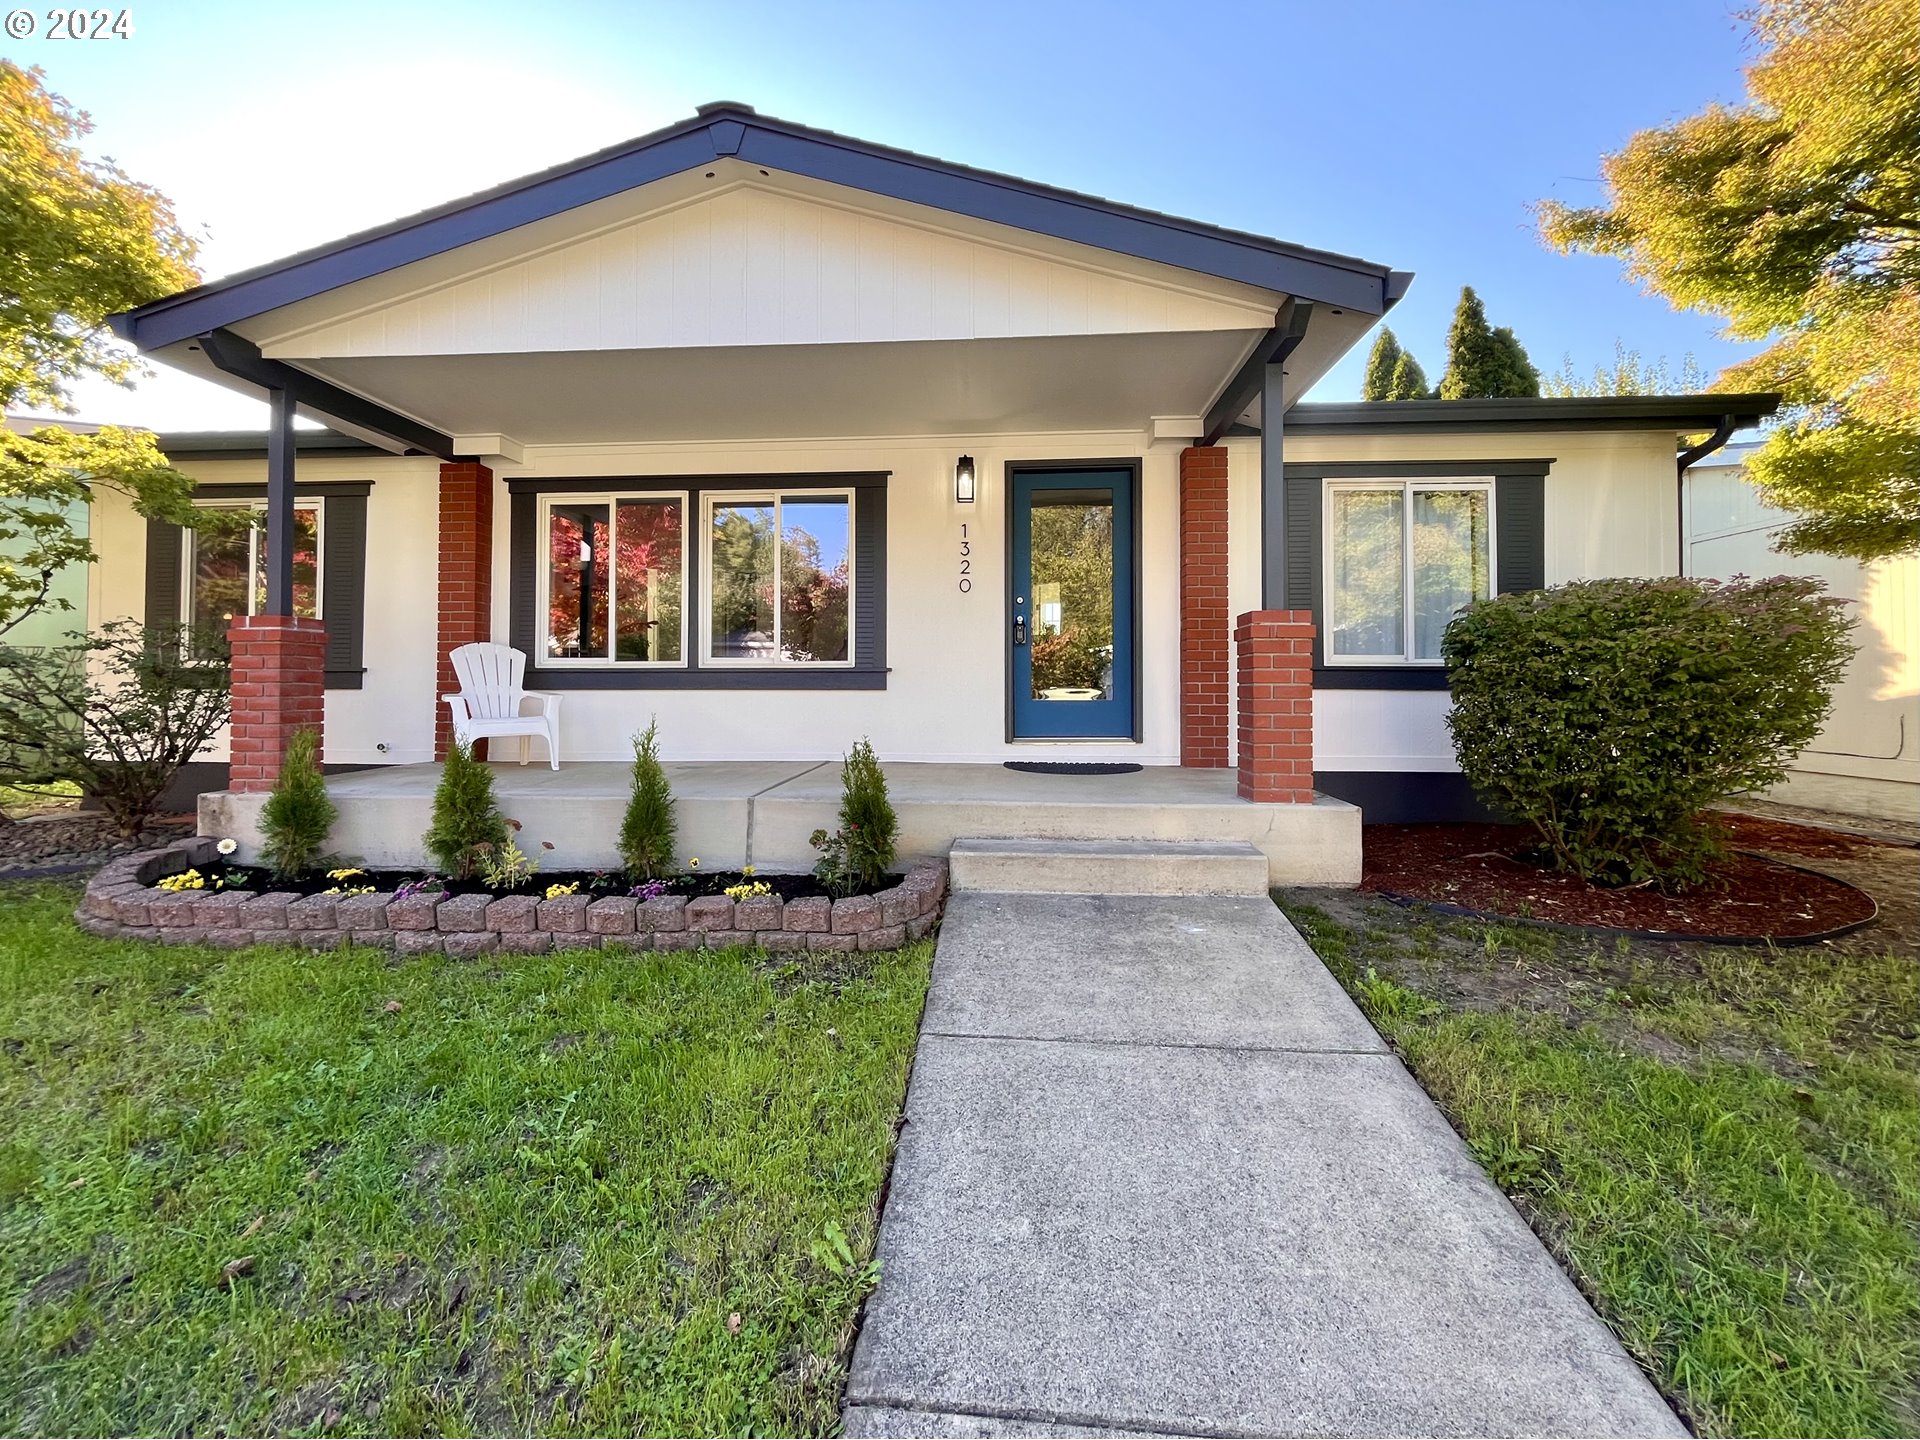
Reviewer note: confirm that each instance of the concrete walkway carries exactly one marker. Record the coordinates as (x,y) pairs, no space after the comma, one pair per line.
(1159,1175)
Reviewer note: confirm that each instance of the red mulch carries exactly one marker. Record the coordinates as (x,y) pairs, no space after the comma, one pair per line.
(1480,867)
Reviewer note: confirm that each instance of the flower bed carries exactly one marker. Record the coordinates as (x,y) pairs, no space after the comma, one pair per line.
(123,900)
(1489,871)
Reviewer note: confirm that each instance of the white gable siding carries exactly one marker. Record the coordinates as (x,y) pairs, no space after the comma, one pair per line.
(753,266)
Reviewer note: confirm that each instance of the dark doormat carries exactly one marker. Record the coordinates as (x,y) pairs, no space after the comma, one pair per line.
(1068,767)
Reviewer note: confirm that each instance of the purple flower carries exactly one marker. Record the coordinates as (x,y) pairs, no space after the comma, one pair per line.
(652,890)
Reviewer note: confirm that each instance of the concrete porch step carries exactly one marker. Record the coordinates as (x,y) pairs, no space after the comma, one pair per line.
(1108,867)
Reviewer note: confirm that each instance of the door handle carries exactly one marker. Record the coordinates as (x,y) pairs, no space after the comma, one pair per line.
(1019,629)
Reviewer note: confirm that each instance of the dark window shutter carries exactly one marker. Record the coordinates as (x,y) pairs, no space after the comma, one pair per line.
(870,576)
(1302,540)
(1520,532)
(163,573)
(523,579)
(344,589)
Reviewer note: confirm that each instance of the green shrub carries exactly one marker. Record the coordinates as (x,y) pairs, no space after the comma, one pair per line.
(297,816)
(862,850)
(117,712)
(467,824)
(1610,714)
(646,833)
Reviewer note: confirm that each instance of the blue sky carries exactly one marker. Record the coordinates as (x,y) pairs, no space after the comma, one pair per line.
(1413,134)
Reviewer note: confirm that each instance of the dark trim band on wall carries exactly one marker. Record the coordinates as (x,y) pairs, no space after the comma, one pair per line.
(869,668)
(1519,539)
(1406,797)
(343,560)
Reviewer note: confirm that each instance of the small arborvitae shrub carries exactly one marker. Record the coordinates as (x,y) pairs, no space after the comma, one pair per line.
(868,826)
(467,824)
(297,816)
(1609,714)
(646,832)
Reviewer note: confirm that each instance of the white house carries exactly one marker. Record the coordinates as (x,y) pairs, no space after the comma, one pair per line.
(1867,759)
(787,438)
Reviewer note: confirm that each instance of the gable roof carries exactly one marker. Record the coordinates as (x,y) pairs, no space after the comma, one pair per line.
(731,131)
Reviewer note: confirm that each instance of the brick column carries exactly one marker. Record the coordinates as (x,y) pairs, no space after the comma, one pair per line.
(1274,689)
(466,579)
(279,685)
(1204,626)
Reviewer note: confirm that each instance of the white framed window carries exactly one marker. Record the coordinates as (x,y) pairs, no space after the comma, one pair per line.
(613,579)
(777,577)
(223,570)
(1401,559)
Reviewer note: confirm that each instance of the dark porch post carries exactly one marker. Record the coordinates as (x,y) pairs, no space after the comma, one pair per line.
(279,519)
(1273,491)
(279,660)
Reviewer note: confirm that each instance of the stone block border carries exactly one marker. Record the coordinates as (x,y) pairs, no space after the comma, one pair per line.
(121,903)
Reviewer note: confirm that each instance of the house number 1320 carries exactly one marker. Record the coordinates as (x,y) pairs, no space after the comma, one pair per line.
(966,561)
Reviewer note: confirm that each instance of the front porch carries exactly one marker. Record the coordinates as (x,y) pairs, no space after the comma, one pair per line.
(760,812)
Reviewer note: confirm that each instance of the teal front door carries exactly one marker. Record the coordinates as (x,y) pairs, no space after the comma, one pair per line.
(1071,604)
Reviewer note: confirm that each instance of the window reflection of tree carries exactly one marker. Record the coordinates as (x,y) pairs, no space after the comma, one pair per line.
(1449,561)
(230,558)
(577,582)
(648,580)
(1071,559)
(1368,572)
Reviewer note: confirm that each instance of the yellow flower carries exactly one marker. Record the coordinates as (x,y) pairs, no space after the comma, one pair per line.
(554,892)
(693,862)
(747,870)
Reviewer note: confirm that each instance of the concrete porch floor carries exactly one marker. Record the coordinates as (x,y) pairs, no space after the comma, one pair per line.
(760,812)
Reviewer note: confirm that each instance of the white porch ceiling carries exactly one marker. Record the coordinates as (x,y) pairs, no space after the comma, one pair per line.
(1082,382)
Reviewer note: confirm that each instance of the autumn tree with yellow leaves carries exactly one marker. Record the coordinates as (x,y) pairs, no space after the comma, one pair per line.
(79,240)
(1796,216)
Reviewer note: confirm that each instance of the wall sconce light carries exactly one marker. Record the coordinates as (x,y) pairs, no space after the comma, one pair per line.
(963,480)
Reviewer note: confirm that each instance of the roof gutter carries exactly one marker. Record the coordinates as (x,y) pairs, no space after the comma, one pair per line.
(1690,456)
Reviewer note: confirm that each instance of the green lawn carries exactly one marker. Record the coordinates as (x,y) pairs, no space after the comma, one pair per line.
(1722,1146)
(276,1190)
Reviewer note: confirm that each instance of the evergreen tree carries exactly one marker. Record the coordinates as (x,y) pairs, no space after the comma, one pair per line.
(467,824)
(646,834)
(1484,363)
(1409,381)
(1383,363)
(1518,377)
(298,814)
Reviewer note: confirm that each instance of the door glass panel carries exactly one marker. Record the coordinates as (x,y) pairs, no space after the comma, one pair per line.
(577,552)
(1072,609)
(815,567)
(742,549)
(647,590)
(1450,547)
(1368,574)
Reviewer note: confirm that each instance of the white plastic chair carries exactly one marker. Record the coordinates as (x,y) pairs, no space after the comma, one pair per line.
(491,702)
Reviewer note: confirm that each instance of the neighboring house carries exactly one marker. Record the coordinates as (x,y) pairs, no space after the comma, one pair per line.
(787,438)
(1867,760)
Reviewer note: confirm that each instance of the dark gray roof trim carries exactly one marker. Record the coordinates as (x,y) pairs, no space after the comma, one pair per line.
(737,132)
(1603,412)
(252,445)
